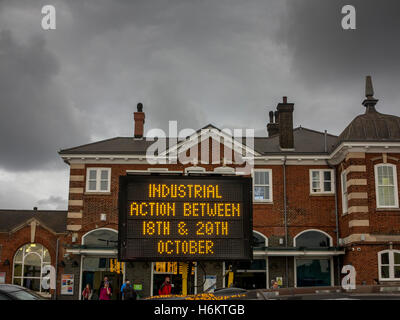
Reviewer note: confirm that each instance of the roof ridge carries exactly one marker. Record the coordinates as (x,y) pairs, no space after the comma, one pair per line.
(316,131)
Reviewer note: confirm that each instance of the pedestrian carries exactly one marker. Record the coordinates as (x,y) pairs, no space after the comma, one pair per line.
(166,287)
(105,292)
(87,293)
(102,284)
(274,284)
(123,287)
(128,292)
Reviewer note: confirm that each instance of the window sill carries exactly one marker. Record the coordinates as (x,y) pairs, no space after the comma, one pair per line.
(390,280)
(262,202)
(88,193)
(322,194)
(388,209)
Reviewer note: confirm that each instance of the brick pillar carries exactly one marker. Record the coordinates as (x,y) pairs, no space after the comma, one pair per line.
(357,195)
(75,198)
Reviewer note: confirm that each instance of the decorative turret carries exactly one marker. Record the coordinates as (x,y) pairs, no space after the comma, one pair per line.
(370,102)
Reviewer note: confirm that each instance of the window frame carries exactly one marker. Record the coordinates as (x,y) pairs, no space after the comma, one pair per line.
(253,175)
(315,230)
(396,190)
(322,181)
(22,263)
(98,180)
(345,199)
(391,264)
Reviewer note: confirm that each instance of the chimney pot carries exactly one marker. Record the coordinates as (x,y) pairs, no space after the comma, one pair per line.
(272,127)
(271,117)
(276,114)
(139,121)
(284,99)
(34,208)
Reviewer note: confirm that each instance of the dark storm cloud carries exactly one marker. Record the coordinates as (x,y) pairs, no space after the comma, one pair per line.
(36,117)
(331,62)
(323,51)
(186,61)
(198,62)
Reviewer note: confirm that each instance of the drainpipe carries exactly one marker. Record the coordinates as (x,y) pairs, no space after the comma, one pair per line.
(57,248)
(285,219)
(336,216)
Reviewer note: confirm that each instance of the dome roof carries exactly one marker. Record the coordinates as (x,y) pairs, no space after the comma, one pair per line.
(373,125)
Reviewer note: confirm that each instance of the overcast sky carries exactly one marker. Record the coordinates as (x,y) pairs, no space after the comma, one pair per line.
(224,62)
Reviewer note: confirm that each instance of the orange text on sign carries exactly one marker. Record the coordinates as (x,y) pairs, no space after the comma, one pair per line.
(195,191)
(185,247)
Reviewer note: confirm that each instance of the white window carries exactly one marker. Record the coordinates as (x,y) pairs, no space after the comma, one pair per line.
(28,263)
(322,181)
(389,265)
(262,185)
(98,179)
(344,192)
(386,186)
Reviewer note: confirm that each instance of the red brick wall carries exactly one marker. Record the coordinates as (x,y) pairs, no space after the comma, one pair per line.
(364,258)
(13,241)
(305,211)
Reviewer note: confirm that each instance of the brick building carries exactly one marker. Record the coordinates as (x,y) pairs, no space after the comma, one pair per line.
(320,201)
(29,240)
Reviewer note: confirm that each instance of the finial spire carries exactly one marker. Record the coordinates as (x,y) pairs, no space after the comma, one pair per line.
(369,89)
(370,102)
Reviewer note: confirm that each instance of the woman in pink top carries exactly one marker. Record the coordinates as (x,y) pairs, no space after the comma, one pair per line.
(105,292)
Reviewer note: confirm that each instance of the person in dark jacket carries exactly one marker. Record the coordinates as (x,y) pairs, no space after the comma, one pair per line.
(128,292)
(166,287)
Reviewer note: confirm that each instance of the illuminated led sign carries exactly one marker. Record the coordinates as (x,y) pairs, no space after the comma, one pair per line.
(184,218)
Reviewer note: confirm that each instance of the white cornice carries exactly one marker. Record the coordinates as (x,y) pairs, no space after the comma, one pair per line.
(336,156)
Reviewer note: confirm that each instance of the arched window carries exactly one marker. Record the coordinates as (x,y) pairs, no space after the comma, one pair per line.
(389,265)
(312,239)
(259,240)
(101,238)
(28,263)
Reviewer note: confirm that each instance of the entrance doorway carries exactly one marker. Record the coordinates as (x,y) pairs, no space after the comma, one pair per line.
(94,269)
(249,275)
(172,270)
(313,272)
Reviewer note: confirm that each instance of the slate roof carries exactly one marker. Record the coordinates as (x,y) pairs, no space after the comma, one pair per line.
(306,141)
(55,220)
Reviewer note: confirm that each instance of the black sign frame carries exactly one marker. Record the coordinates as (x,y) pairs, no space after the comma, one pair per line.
(247,215)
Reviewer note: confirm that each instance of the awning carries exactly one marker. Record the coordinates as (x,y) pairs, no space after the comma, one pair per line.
(296,252)
(98,251)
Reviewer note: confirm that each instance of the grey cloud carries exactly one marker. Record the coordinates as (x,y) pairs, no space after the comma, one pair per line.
(331,61)
(52,203)
(226,63)
(36,116)
(324,51)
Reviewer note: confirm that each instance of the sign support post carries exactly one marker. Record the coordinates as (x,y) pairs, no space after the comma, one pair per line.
(184,278)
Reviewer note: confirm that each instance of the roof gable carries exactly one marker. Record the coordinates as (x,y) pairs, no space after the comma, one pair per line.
(52,220)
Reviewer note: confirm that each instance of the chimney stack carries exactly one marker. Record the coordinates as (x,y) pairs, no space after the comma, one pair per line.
(273,126)
(285,120)
(139,121)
